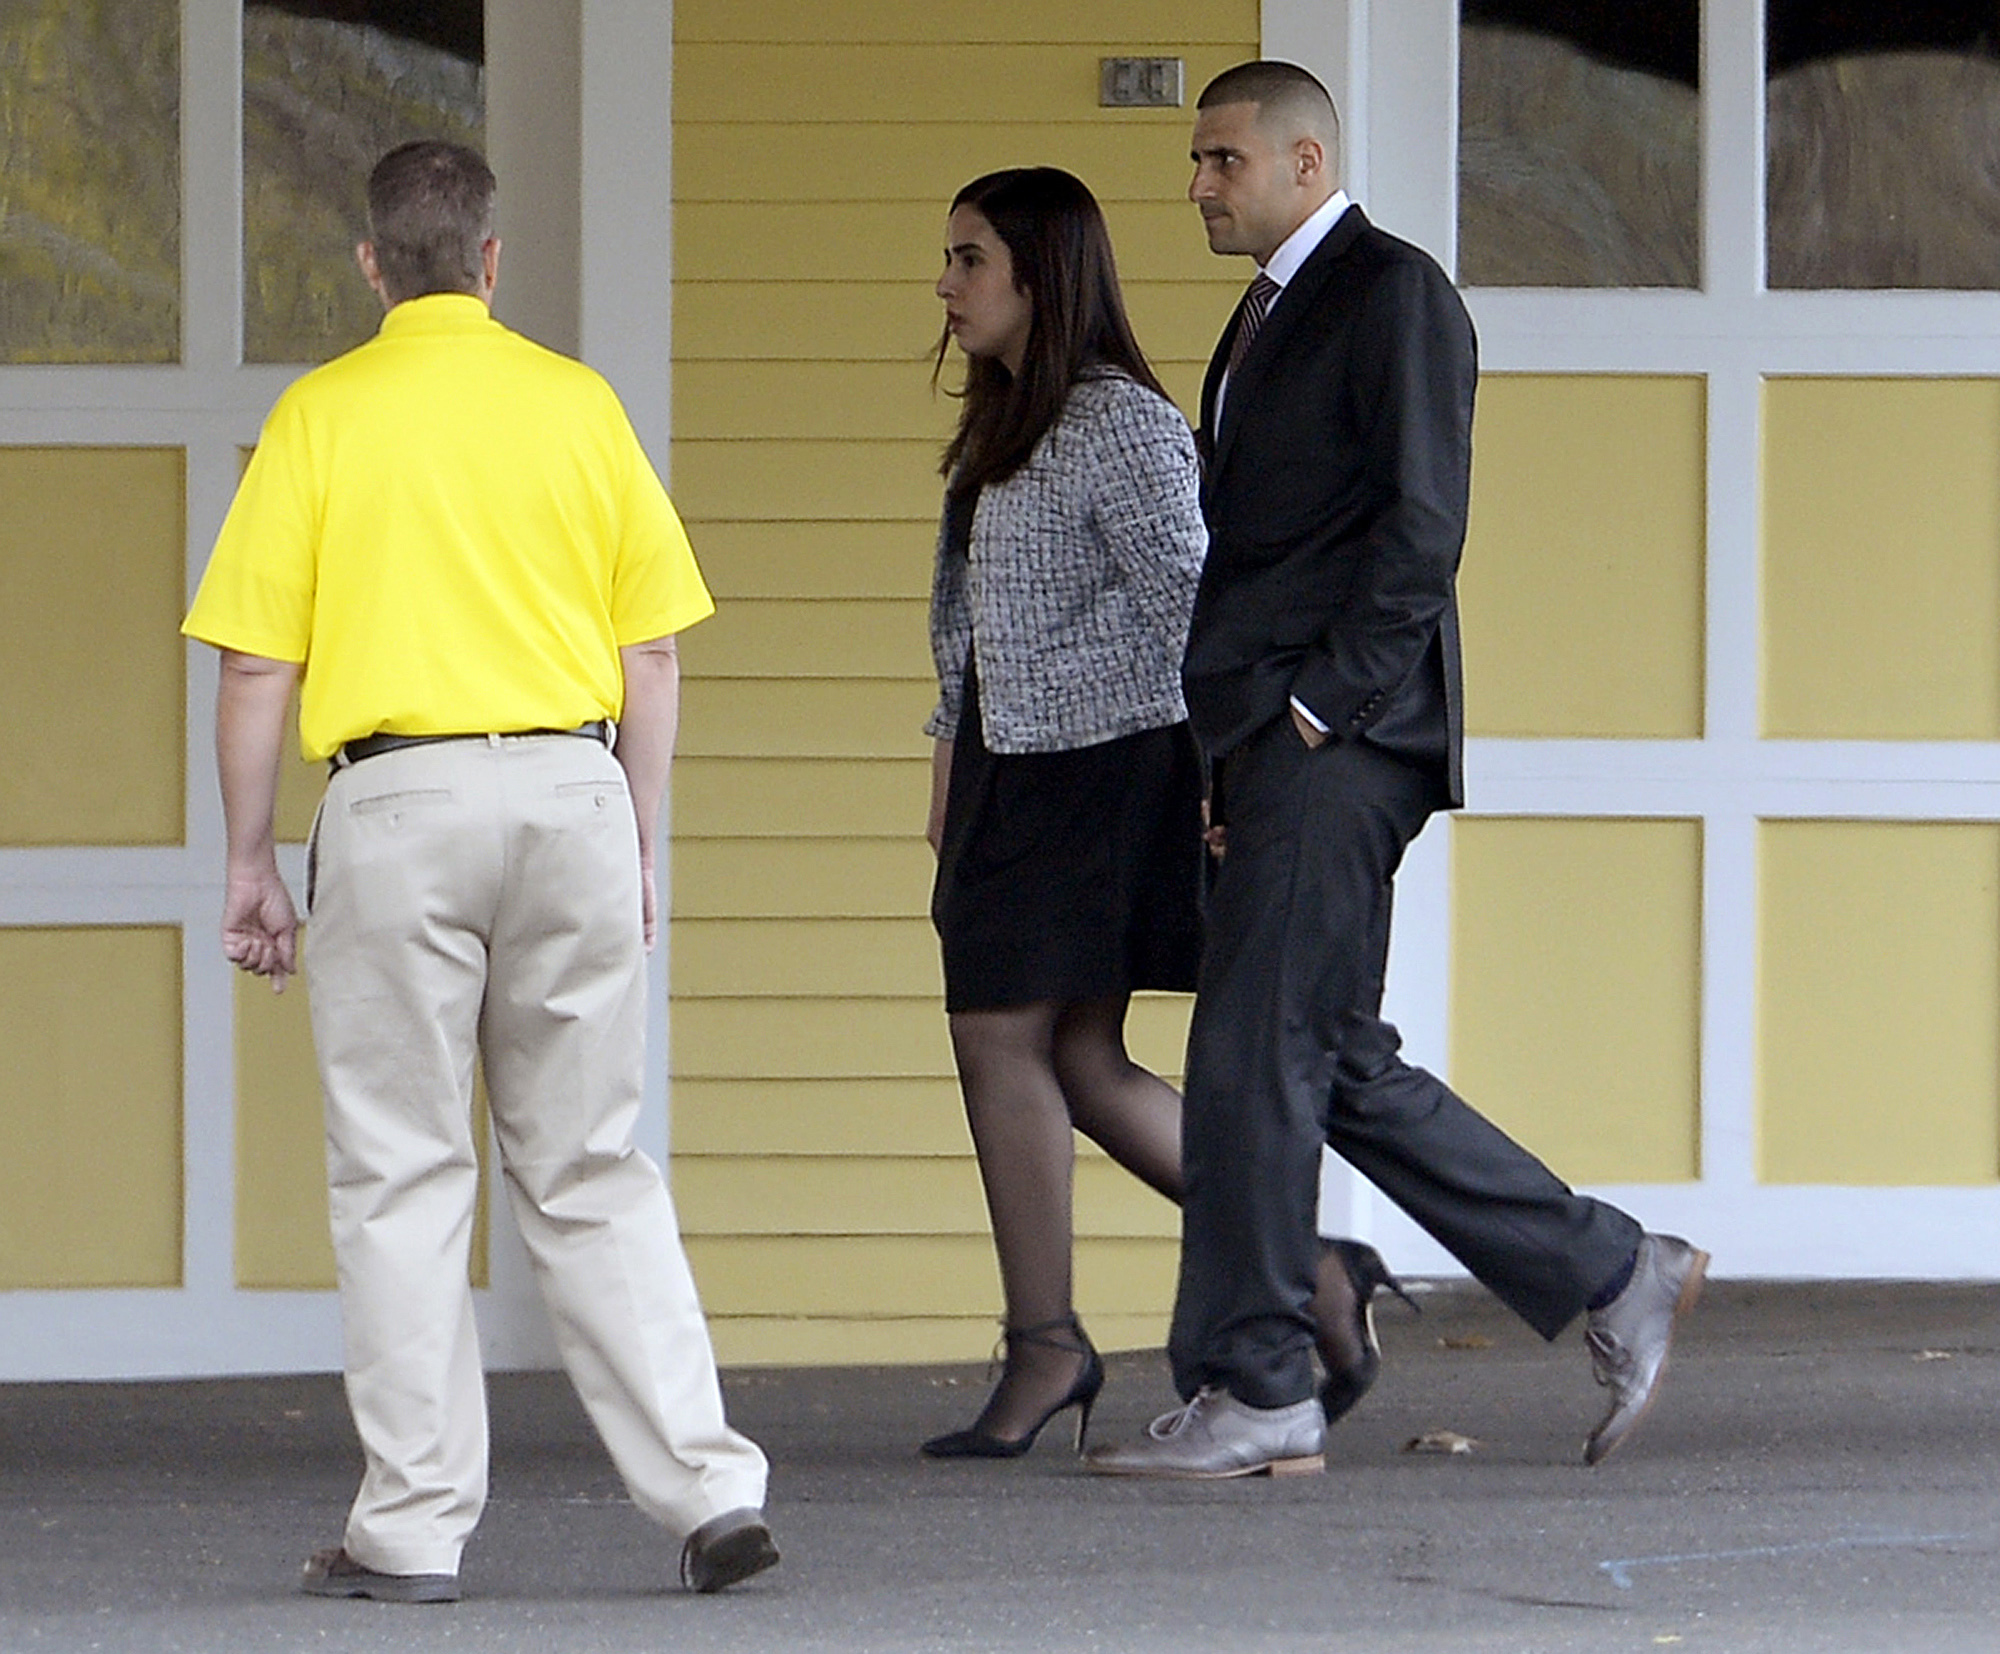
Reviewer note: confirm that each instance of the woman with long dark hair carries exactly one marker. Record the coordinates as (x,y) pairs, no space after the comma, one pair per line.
(1065,805)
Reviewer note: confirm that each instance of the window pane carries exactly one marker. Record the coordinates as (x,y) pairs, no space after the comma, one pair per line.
(1579,144)
(329,86)
(90,147)
(1883,130)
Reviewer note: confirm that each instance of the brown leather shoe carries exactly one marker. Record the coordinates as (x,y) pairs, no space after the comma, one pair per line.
(727,1549)
(336,1574)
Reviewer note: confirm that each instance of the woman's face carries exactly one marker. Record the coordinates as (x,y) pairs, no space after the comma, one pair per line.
(983,309)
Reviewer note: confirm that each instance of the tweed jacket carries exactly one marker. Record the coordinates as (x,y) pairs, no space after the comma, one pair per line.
(1082,574)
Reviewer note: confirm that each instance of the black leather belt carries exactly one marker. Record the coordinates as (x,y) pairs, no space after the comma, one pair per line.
(373,746)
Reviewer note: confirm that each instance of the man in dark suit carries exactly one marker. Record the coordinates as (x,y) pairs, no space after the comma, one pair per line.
(1322,677)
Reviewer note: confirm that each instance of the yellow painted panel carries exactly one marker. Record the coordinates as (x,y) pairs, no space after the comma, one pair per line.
(812,481)
(93,579)
(781,1194)
(815,1116)
(836,1341)
(1882,559)
(869,1276)
(928,163)
(1583,578)
(281,1220)
(281,1206)
(742,561)
(754,797)
(795,958)
(896,321)
(1879,1003)
(1137,26)
(827,638)
(90,1107)
(1576,991)
(765,878)
(902,241)
(1032,85)
(806,718)
(864,401)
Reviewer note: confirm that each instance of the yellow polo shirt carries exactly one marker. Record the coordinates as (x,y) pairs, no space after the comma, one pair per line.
(454,531)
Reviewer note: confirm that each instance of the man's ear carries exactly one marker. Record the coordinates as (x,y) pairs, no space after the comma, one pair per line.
(364,255)
(1309,160)
(489,262)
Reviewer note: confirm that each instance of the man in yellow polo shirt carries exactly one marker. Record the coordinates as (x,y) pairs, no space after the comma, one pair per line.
(450,540)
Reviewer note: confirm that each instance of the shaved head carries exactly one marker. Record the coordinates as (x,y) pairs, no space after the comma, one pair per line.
(1291,103)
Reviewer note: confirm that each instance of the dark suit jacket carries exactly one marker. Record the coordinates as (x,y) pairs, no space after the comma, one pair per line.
(1335,495)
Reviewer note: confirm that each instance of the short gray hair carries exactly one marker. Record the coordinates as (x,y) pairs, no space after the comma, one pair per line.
(430,215)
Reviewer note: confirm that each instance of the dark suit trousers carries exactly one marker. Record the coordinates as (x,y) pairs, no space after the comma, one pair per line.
(1287,1050)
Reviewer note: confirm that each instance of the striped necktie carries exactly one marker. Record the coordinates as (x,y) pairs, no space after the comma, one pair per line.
(1256,306)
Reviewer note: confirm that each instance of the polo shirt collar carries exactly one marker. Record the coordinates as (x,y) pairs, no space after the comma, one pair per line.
(436,313)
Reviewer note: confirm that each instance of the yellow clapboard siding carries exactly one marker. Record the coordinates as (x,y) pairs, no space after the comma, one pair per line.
(872,1117)
(932,162)
(777,1194)
(809,1038)
(783,638)
(909,84)
(841,321)
(93,581)
(803,878)
(753,242)
(898,321)
(911,1276)
(807,481)
(1138,26)
(836,1341)
(806,466)
(864,401)
(858,1038)
(764,797)
(855,561)
(90,1107)
(792,958)
(806,718)
(815,1116)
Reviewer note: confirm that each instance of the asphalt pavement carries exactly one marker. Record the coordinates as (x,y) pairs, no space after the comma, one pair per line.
(1821,1474)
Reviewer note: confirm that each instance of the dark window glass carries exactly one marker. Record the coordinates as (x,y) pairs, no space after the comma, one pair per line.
(90,152)
(1883,135)
(329,86)
(1579,143)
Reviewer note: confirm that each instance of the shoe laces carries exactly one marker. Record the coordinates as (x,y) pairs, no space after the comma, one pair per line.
(1169,1425)
(1610,1360)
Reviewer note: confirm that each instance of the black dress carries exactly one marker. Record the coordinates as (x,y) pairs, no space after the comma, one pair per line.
(1067,875)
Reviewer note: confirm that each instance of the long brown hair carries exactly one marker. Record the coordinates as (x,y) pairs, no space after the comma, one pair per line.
(1055,237)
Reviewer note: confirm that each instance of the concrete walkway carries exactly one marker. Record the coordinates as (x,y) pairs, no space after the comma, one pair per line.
(1822,1474)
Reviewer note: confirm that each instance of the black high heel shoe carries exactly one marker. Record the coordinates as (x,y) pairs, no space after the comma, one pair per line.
(975,1442)
(1348,1381)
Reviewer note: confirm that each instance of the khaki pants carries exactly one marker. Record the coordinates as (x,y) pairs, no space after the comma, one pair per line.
(483,897)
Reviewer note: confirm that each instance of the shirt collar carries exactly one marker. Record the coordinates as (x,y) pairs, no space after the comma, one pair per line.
(436,313)
(1297,247)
